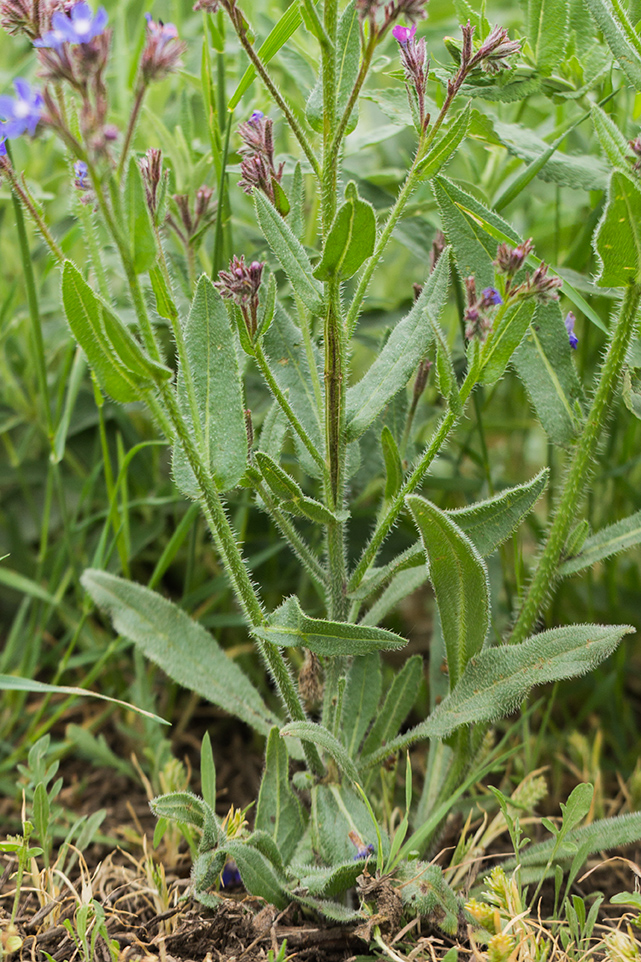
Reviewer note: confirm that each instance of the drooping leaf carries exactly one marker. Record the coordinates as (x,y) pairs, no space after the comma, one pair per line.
(178,645)
(547,25)
(446,145)
(604,544)
(323,738)
(397,705)
(139,230)
(360,700)
(210,395)
(405,348)
(618,236)
(279,813)
(348,46)
(620,36)
(16,683)
(290,627)
(460,581)
(544,363)
(350,240)
(290,253)
(497,680)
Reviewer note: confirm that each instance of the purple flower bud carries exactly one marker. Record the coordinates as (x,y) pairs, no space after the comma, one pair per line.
(81,171)
(490,297)
(403,34)
(570,321)
(230,875)
(241,284)
(22,112)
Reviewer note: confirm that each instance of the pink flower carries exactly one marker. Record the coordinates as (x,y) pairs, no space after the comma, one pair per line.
(403,34)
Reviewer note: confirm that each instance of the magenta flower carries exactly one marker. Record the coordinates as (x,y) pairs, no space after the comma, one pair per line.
(81,26)
(403,34)
(570,321)
(22,112)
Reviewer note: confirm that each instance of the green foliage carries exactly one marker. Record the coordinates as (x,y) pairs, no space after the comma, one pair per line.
(350,240)
(618,242)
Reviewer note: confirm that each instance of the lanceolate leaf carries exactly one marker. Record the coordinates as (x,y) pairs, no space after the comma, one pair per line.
(544,363)
(460,581)
(121,368)
(502,343)
(290,493)
(547,23)
(289,252)
(618,236)
(180,646)
(360,701)
(15,683)
(138,223)
(614,144)
(289,627)
(446,145)
(397,705)
(278,811)
(620,37)
(486,523)
(406,346)
(605,543)
(497,680)
(350,240)
(260,877)
(210,395)
(349,48)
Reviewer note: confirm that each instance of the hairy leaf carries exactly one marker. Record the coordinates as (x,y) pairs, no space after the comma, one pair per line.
(279,812)
(323,738)
(618,236)
(350,240)
(446,145)
(360,700)
(502,342)
(348,46)
(620,36)
(605,543)
(460,581)
(260,876)
(614,144)
(289,627)
(178,645)
(547,24)
(290,253)
(397,705)
(139,231)
(405,348)
(210,395)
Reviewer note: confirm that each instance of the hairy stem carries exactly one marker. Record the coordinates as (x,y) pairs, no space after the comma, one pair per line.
(131,126)
(576,482)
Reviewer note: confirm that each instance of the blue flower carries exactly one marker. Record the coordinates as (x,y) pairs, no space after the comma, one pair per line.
(81,171)
(230,874)
(570,321)
(364,852)
(3,148)
(22,112)
(79,27)
(490,297)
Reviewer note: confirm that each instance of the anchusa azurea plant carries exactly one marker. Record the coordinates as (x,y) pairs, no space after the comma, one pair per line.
(284,317)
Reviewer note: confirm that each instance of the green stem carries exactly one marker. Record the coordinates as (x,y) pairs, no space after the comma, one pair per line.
(335,145)
(388,521)
(296,542)
(287,409)
(261,70)
(131,126)
(328,69)
(19,191)
(225,540)
(217,258)
(574,488)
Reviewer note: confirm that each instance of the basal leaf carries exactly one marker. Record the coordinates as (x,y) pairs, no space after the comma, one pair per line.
(618,236)
(279,813)
(290,627)
(210,395)
(323,738)
(178,645)
(496,681)
(289,252)
(260,877)
(336,811)
(397,705)
(360,700)
(406,346)
(460,581)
